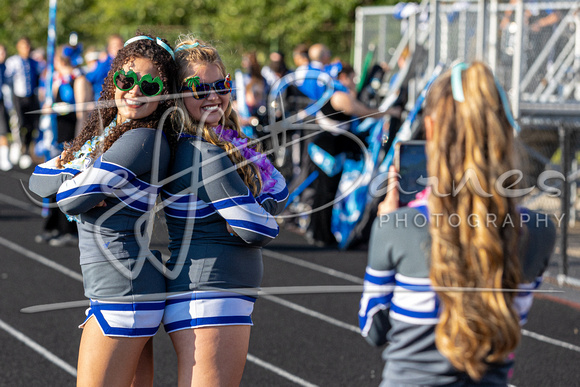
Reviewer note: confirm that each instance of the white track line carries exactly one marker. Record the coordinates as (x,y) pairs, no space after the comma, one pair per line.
(331,320)
(40,259)
(312,313)
(20,204)
(39,349)
(266,253)
(312,266)
(279,371)
(76,276)
(549,340)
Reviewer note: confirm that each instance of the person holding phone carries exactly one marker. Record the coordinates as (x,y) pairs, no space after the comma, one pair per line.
(108,179)
(438,268)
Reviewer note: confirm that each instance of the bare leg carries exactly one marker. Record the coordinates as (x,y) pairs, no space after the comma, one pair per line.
(212,356)
(107,361)
(144,374)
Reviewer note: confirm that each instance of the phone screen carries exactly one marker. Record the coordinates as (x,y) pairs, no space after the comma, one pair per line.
(411,164)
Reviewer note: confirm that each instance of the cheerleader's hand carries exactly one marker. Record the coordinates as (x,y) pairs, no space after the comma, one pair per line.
(59,163)
(391,201)
(231,230)
(102,203)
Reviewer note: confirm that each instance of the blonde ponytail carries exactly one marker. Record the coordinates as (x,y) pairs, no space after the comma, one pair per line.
(475,137)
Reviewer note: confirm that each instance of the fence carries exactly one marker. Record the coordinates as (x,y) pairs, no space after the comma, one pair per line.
(533,48)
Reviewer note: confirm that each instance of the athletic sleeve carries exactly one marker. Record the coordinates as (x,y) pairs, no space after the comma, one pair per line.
(537,244)
(47,178)
(221,187)
(378,287)
(274,201)
(118,173)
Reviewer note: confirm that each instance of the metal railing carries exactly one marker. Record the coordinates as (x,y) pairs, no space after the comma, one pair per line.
(533,47)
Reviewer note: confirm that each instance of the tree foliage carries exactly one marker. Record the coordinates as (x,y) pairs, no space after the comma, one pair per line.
(233,26)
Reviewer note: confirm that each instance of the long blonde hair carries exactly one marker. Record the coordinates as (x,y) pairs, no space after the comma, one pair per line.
(474,136)
(191,52)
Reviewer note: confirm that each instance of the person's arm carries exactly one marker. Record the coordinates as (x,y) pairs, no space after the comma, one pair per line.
(83,91)
(48,177)
(274,201)
(379,283)
(380,272)
(548,20)
(538,238)
(349,105)
(223,189)
(9,70)
(116,173)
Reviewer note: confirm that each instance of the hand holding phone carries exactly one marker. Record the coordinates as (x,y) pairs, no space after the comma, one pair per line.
(411,164)
(391,201)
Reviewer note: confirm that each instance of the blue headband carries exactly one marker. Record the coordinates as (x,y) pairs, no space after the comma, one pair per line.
(457,90)
(159,42)
(186,46)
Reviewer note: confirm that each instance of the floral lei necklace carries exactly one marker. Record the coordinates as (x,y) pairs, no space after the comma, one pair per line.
(82,159)
(264,165)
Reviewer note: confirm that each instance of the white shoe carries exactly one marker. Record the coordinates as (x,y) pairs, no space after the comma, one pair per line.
(65,240)
(25,162)
(15,153)
(5,164)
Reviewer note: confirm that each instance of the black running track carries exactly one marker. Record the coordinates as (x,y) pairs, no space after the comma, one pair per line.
(305,339)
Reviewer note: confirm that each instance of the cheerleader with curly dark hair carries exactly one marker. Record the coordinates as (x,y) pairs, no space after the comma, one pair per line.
(108,179)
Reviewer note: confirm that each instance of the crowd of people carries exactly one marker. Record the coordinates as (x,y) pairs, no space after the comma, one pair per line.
(76,81)
(311,151)
(167,134)
(23,82)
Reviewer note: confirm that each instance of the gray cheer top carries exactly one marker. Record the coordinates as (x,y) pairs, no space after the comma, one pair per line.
(398,305)
(127,177)
(203,195)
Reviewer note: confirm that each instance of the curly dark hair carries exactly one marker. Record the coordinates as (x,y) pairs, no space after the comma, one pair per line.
(100,117)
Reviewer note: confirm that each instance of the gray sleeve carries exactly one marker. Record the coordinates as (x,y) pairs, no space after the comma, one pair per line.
(47,178)
(380,259)
(380,327)
(274,201)
(132,156)
(538,241)
(398,244)
(221,186)
(140,150)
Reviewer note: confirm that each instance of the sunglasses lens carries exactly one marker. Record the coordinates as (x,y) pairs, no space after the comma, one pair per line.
(201,91)
(222,87)
(150,88)
(124,83)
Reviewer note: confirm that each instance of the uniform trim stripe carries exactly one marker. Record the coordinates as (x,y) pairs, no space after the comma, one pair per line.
(39,170)
(255,227)
(202,321)
(198,296)
(279,196)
